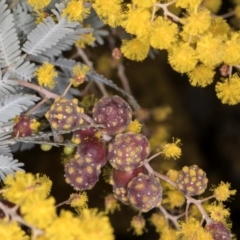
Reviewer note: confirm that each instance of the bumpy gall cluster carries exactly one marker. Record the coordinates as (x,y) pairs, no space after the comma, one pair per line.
(81,174)
(25,126)
(144,192)
(114,113)
(192,180)
(127,151)
(121,180)
(64,114)
(218,231)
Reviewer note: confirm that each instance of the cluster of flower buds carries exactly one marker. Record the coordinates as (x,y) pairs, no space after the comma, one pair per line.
(126,152)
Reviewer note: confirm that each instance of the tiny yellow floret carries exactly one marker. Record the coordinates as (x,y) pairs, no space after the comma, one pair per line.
(218,212)
(174,198)
(79,74)
(86,39)
(223,192)
(172,150)
(45,75)
(134,126)
(78,200)
(111,204)
(138,225)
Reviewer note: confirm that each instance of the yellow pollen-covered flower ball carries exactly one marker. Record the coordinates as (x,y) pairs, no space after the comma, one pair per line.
(197,22)
(219,26)
(163,34)
(232,50)
(76,11)
(201,76)
(45,75)
(228,91)
(182,58)
(110,11)
(210,49)
(135,49)
(137,22)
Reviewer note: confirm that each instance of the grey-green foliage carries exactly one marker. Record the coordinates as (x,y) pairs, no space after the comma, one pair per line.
(12,105)
(9,43)
(48,33)
(9,165)
(23,47)
(24,21)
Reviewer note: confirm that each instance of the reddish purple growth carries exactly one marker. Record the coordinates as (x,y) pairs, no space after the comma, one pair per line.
(90,146)
(127,151)
(64,114)
(114,113)
(121,180)
(144,192)
(192,180)
(218,231)
(81,175)
(23,127)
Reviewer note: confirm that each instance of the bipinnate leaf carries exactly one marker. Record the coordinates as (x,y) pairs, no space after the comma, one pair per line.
(48,33)
(13,105)
(9,43)
(9,165)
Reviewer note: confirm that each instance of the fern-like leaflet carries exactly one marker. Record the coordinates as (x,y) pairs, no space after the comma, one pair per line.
(9,165)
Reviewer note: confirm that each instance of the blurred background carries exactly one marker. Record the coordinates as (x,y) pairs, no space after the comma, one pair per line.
(209,131)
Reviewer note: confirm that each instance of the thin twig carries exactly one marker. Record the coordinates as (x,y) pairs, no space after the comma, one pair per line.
(168,216)
(122,76)
(37,88)
(86,60)
(164,7)
(67,88)
(36,106)
(227,15)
